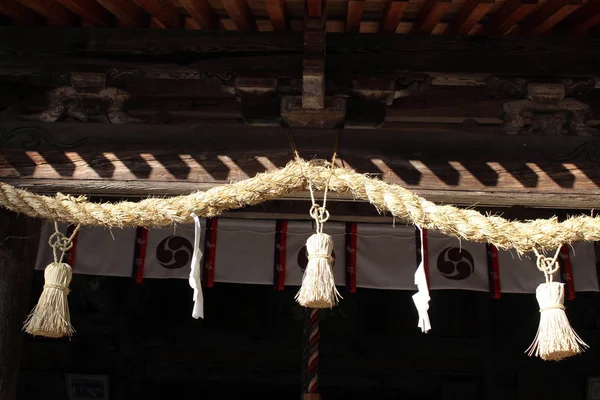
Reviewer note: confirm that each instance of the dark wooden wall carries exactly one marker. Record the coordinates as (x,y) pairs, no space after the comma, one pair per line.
(144,338)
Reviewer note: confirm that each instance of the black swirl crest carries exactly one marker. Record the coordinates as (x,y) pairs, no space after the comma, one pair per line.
(455,263)
(303,258)
(174,252)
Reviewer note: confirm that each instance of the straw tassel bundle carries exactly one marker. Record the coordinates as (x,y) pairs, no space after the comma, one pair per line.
(318,283)
(555,339)
(51,317)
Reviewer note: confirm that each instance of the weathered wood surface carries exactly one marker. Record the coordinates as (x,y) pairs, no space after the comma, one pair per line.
(18,247)
(183,54)
(450,163)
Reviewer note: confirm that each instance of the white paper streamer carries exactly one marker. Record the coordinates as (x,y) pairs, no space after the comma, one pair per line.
(421,298)
(195,280)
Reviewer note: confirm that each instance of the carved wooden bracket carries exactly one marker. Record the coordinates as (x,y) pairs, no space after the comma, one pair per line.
(545,110)
(313,108)
(86,95)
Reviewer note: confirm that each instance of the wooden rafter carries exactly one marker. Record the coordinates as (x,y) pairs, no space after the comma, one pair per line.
(90,11)
(54,12)
(509,14)
(392,15)
(240,13)
(163,11)
(471,12)
(202,13)
(276,11)
(580,21)
(126,12)
(354,15)
(18,12)
(547,16)
(430,15)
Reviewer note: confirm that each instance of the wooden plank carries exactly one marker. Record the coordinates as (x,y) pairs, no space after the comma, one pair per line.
(354,15)
(580,21)
(202,12)
(314,8)
(241,14)
(163,11)
(89,10)
(126,12)
(392,15)
(509,14)
(18,12)
(431,13)
(276,11)
(36,51)
(547,16)
(469,15)
(448,164)
(56,13)
(18,249)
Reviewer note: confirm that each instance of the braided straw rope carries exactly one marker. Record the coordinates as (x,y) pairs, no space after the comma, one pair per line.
(401,203)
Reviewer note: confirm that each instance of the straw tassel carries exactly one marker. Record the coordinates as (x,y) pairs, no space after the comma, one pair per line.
(555,339)
(51,317)
(318,283)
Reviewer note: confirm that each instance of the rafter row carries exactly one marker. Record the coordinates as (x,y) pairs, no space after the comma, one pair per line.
(489,17)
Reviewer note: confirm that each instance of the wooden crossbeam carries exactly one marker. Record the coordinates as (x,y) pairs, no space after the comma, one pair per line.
(54,12)
(451,164)
(392,15)
(89,10)
(580,21)
(469,15)
(163,11)
(509,14)
(18,12)
(354,15)
(276,11)
(430,15)
(202,12)
(240,13)
(547,16)
(314,8)
(126,12)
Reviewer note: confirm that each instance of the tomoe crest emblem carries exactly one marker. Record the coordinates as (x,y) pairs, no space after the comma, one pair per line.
(455,263)
(174,252)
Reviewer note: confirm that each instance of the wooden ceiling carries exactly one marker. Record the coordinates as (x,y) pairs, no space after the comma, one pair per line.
(490,17)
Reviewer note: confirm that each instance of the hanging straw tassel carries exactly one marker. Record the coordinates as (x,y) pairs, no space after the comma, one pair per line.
(318,283)
(51,317)
(555,339)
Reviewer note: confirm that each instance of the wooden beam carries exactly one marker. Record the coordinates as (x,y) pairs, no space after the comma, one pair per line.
(580,21)
(314,8)
(18,12)
(354,15)
(547,16)
(18,249)
(89,11)
(240,13)
(430,15)
(509,14)
(56,13)
(126,12)
(392,15)
(450,164)
(276,11)
(35,51)
(469,15)
(202,12)
(163,11)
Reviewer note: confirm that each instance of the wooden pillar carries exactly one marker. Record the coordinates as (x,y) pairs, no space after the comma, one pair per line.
(18,248)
